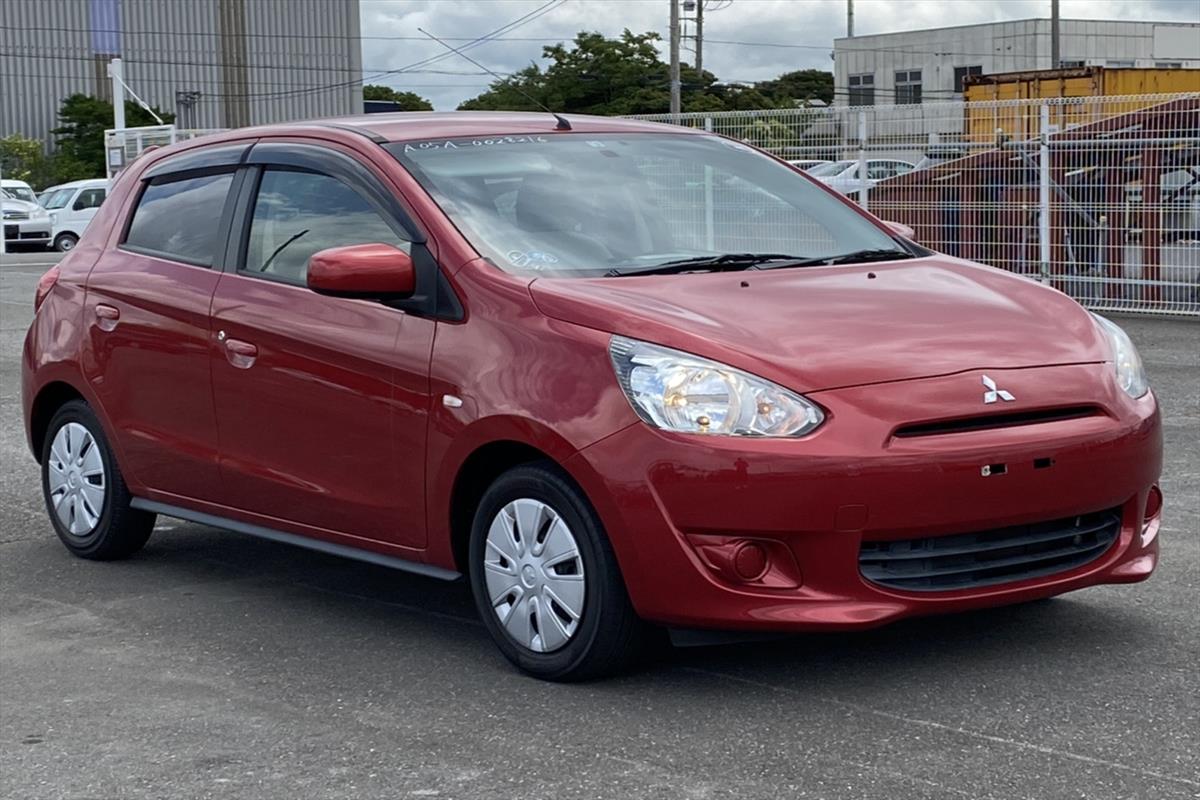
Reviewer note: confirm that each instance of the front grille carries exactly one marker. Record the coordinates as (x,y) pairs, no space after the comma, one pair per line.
(11,231)
(990,421)
(1001,555)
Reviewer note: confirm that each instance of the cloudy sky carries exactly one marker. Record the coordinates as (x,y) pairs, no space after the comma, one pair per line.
(807,26)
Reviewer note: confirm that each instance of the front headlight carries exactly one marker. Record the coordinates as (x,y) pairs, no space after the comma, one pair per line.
(1131,375)
(680,392)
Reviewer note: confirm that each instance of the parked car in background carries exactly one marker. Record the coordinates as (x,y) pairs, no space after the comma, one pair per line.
(807,164)
(843,175)
(18,190)
(414,341)
(72,206)
(940,154)
(25,222)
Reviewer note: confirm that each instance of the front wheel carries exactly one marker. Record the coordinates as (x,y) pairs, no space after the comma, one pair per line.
(85,493)
(65,242)
(546,581)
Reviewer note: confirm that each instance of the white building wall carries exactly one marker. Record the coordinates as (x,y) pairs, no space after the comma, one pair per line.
(1015,46)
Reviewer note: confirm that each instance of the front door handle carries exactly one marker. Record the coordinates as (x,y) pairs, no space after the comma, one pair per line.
(107,316)
(240,354)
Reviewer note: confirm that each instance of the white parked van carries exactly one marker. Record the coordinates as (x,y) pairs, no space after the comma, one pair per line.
(72,206)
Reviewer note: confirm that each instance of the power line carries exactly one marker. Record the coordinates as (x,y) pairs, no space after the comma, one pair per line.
(216,81)
(558,39)
(285,67)
(286,36)
(525,19)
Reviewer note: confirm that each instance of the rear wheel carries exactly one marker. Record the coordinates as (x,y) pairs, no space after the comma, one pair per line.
(85,493)
(65,242)
(546,581)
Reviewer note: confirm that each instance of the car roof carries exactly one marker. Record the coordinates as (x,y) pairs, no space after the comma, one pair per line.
(12,182)
(408,125)
(86,183)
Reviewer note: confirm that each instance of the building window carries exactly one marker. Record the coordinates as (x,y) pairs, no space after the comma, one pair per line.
(1119,62)
(962,72)
(1169,64)
(908,86)
(862,90)
(1071,63)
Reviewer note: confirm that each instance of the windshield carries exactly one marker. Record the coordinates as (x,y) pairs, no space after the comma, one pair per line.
(20,193)
(58,198)
(830,169)
(594,204)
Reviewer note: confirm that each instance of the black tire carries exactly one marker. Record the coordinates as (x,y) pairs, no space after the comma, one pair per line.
(609,635)
(120,530)
(65,242)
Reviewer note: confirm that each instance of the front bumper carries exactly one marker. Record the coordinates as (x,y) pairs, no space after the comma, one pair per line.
(664,498)
(27,231)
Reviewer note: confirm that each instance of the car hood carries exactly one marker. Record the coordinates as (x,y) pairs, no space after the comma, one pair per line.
(12,204)
(818,328)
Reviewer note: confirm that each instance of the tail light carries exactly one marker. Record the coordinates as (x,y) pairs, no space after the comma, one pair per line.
(44,285)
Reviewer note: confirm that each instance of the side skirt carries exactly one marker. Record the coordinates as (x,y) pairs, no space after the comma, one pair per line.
(428,570)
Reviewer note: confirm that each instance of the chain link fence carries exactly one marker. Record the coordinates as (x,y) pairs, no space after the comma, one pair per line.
(1097,196)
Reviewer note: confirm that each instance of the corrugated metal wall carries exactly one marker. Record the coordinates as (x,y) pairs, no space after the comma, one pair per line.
(252,61)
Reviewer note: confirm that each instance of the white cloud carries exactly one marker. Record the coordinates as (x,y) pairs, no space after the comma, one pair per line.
(812,23)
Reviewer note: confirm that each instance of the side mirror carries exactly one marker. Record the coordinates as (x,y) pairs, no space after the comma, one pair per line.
(901,230)
(370,271)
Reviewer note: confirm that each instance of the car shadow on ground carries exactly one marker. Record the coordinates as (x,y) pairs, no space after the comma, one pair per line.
(1054,636)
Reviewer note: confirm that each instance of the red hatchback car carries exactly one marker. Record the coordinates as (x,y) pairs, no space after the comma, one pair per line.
(624,376)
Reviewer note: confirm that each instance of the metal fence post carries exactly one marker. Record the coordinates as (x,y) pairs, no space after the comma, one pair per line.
(1044,248)
(709,212)
(3,235)
(862,159)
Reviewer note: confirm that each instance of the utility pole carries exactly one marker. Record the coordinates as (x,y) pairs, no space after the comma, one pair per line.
(850,19)
(676,102)
(700,38)
(118,93)
(1055,55)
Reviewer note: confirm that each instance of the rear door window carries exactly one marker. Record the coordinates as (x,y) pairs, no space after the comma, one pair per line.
(180,219)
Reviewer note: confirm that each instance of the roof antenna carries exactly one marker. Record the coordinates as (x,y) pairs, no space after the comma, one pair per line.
(562,125)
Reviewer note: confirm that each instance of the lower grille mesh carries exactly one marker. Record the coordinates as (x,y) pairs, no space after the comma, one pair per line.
(1002,555)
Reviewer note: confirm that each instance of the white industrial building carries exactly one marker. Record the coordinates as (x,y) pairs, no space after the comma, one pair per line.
(929,65)
(212,63)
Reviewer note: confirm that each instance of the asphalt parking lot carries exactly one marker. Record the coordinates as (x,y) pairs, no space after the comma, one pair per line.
(215,665)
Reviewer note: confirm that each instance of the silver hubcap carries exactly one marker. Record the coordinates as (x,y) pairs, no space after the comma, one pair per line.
(76,479)
(534,575)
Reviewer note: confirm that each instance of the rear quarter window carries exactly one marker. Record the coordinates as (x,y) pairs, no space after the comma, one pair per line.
(180,219)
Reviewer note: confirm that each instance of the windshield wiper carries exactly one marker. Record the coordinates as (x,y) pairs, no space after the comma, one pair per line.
(855,257)
(280,249)
(725,261)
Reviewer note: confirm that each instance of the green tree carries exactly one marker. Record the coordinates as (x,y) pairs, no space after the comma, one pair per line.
(791,88)
(405,101)
(84,118)
(595,75)
(21,159)
(26,160)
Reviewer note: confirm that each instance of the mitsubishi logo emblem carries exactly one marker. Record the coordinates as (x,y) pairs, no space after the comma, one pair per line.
(992,393)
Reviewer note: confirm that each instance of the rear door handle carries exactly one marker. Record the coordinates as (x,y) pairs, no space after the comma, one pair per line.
(107,316)
(240,354)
